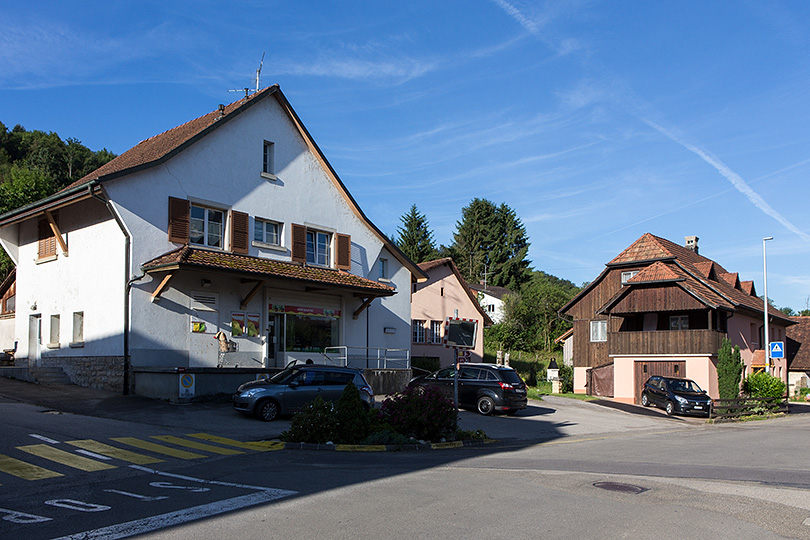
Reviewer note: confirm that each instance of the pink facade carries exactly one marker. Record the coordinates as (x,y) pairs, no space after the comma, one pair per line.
(443,295)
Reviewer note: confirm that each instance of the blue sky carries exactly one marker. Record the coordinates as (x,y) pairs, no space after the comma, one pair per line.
(596,121)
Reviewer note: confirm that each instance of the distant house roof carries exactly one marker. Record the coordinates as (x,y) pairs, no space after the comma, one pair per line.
(565,335)
(193,258)
(159,148)
(798,344)
(702,278)
(427,266)
(497,292)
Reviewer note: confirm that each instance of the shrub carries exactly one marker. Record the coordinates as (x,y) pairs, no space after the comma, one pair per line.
(764,385)
(544,387)
(353,419)
(387,437)
(566,379)
(314,424)
(729,370)
(421,413)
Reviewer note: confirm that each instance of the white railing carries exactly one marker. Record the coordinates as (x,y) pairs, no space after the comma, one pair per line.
(368,357)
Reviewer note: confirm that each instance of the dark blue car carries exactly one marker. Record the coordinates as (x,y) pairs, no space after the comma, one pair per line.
(682,396)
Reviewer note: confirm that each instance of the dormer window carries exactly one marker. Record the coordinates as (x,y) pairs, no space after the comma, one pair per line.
(627,276)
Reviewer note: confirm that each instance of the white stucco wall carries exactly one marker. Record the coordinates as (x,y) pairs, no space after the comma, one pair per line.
(89,280)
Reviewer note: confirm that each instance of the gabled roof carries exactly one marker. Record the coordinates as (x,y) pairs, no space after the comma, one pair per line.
(187,258)
(497,292)
(700,275)
(798,344)
(159,148)
(565,335)
(427,266)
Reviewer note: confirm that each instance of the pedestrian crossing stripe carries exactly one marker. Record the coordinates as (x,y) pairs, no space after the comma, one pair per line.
(113,452)
(197,445)
(260,446)
(158,448)
(65,458)
(24,470)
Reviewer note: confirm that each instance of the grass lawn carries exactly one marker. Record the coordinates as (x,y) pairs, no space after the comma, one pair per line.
(534,393)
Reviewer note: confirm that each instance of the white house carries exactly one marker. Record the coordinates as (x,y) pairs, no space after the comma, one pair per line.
(491,299)
(233,222)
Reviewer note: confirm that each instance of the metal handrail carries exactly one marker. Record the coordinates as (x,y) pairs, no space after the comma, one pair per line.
(369,357)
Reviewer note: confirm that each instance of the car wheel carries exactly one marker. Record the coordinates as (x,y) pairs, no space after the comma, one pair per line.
(485,405)
(645,401)
(670,408)
(267,410)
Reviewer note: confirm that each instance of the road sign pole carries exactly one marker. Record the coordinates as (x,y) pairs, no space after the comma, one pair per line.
(455,379)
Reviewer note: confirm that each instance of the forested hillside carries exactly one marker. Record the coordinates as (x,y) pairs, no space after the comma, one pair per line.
(35,164)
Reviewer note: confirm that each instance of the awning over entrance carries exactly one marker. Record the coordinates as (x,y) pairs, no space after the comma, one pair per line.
(259,269)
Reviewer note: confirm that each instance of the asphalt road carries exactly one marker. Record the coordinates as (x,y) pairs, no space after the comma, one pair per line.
(546,477)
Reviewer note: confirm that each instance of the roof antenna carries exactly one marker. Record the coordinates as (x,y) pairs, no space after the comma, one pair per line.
(247,90)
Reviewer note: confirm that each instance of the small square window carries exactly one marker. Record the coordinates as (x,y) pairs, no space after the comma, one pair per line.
(598,330)
(267,232)
(627,276)
(268,165)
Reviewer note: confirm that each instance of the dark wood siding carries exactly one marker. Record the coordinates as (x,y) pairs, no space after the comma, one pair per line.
(666,342)
(644,370)
(663,298)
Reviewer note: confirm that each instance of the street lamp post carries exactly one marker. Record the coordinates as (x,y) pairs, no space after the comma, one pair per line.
(765,307)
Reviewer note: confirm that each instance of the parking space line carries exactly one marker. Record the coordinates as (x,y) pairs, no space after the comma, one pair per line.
(257,446)
(197,445)
(113,452)
(65,458)
(158,448)
(24,470)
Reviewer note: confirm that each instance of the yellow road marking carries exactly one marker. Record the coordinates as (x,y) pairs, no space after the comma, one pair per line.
(158,448)
(453,444)
(197,445)
(24,470)
(360,447)
(113,452)
(65,458)
(257,446)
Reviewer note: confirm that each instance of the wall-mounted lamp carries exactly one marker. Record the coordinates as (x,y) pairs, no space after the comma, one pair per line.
(34,306)
(206,283)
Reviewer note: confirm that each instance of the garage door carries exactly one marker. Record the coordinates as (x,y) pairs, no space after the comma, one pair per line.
(645,370)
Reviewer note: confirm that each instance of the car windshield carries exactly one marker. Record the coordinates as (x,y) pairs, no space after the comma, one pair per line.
(284,375)
(684,386)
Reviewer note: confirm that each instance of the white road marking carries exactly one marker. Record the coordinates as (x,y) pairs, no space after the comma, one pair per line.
(92,454)
(43,438)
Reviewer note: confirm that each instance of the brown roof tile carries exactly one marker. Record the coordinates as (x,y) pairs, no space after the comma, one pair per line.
(188,257)
(657,271)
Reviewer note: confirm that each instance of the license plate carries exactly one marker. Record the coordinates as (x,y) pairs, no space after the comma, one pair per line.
(696,407)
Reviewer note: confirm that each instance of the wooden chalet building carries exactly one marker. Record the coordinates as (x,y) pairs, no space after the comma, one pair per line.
(660,308)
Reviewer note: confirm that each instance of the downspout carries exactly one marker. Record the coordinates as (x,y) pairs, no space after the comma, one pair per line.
(128,281)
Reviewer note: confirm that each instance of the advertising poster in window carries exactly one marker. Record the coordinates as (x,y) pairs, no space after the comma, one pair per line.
(253,321)
(237,323)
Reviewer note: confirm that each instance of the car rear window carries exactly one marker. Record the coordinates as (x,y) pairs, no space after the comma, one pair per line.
(338,377)
(510,376)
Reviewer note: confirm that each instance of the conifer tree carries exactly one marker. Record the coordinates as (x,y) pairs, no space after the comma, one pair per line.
(415,237)
(729,370)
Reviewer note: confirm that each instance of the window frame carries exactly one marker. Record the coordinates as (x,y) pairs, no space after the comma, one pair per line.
(264,240)
(418,331)
(627,275)
(435,336)
(206,221)
(676,322)
(598,332)
(384,269)
(78,329)
(54,335)
(269,160)
(320,251)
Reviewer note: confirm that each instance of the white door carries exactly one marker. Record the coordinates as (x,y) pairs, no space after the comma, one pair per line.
(34,340)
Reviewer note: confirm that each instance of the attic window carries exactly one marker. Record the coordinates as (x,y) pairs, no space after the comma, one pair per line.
(627,276)
(268,160)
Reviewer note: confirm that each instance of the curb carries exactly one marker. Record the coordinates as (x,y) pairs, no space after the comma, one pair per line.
(277,445)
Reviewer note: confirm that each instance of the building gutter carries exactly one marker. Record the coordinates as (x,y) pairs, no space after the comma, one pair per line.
(128,288)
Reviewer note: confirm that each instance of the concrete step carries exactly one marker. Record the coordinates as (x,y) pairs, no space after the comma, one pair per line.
(50,375)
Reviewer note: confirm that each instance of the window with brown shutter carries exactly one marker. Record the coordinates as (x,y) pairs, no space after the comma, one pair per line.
(299,243)
(47,241)
(343,258)
(240,232)
(178,220)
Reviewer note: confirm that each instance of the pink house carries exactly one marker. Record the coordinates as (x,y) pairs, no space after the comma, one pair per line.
(444,295)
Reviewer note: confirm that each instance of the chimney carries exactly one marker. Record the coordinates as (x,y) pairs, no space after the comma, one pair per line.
(691,242)
(221,111)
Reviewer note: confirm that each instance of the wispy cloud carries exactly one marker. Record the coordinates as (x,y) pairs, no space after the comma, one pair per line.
(537,22)
(398,69)
(735,179)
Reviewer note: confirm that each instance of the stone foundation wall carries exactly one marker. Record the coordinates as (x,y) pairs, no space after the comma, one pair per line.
(104,372)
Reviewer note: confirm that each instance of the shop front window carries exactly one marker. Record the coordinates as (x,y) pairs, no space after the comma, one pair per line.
(310,334)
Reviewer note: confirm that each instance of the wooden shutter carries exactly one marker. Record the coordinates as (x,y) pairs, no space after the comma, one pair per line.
(47,241)
(343,257)
(299,243)
(178,220)
(240,232)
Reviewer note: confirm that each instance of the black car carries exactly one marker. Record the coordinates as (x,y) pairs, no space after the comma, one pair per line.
(288,391)
(486,388)
(681,396)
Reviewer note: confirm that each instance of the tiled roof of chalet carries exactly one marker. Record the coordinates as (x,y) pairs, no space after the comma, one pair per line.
(657,271)
(187,257)
(798,344)
(705,268)
(497,292)
(650,247)
(564,335)
(748,288)
(159,146)
(732,278)
(430,265)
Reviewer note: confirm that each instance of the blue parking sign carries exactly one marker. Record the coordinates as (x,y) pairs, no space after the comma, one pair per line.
(777,349)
